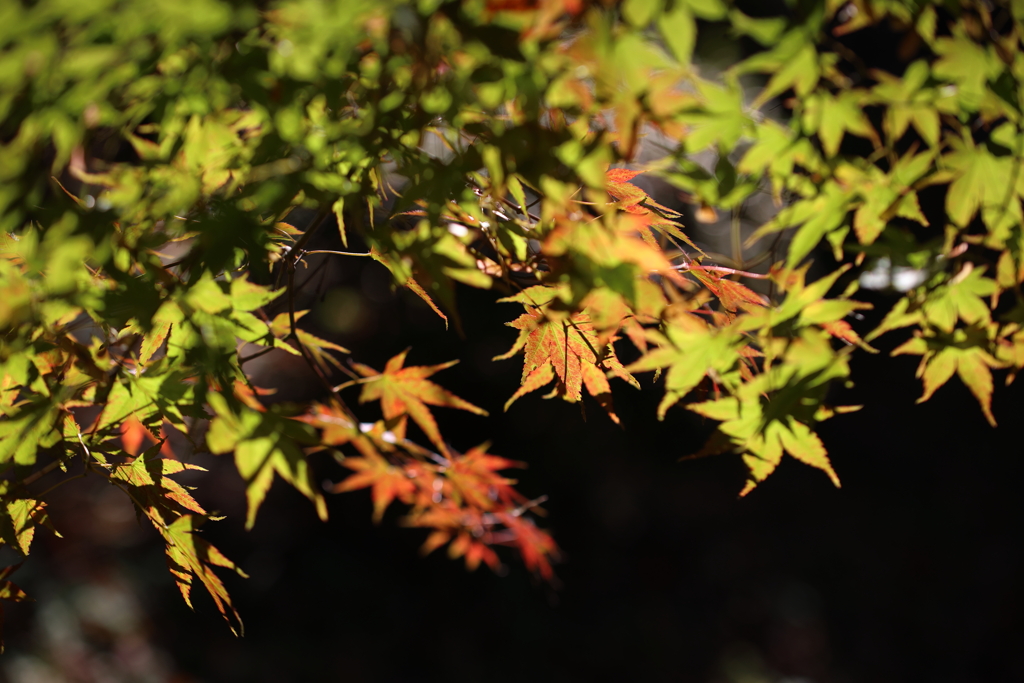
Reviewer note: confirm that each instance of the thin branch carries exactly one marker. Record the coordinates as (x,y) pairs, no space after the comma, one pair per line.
(523,210)
(308,234)
(735,238)
(242,361)
(294,334)
(350,383)
(36,476)
(722,269)
(61,483)
(529,504)
(312,275)
(295,250)
(336,253)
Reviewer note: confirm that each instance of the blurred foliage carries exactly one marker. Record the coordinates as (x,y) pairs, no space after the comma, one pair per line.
(157,159)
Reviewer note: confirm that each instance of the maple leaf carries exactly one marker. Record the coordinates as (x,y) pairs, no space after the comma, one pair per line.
(618,176)
(387,481)
(153,489)
(960,299)
(19,519)
(647,213)
(763,430)
(691,349)
(562,347)
(27,428)
(730,293)
(764,441)
(829,313)
(466,528)
(474,551)
(535,545)
(317,347)
(473,477)
(611,252)
(966,359)
(265,444)
(153,340)
(190,557)
(338,427)
(406,391)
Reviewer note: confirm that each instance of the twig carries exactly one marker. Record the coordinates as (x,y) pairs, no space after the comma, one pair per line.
(36,476)
(523,210)
(721,269)
(295,251)
(294,334)
(308,234)
(312,275)
(350,383)
(62,482)
(242,361)
(734,235)
(529,504)
(336,253)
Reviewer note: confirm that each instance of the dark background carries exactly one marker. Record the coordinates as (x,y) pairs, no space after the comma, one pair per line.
(911,572)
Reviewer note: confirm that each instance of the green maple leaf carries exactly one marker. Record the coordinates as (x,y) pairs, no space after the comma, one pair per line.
(265,444)
(834,116)
(981,180)
(763,440)
(152,488)
(19,519)
(968,65)
(26,429)
(190,557)
(690,350)
(794,63)
(721,120)
(965,357)
(960,299)
(817,216)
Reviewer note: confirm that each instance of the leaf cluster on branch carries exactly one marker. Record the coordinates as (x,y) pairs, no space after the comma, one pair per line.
(164,168)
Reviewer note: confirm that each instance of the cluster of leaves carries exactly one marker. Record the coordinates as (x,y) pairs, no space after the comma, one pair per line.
(153,151)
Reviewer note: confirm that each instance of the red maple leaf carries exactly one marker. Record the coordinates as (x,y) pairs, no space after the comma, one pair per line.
(535,545)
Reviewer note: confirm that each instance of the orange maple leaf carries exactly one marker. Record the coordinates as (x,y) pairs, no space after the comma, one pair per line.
(387,481)
(732,294)
(136,438)
(649,213)
(474,476)
(474,551)
(563,348)
(617,176)
(338,428)
(133,434)
(407,391)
